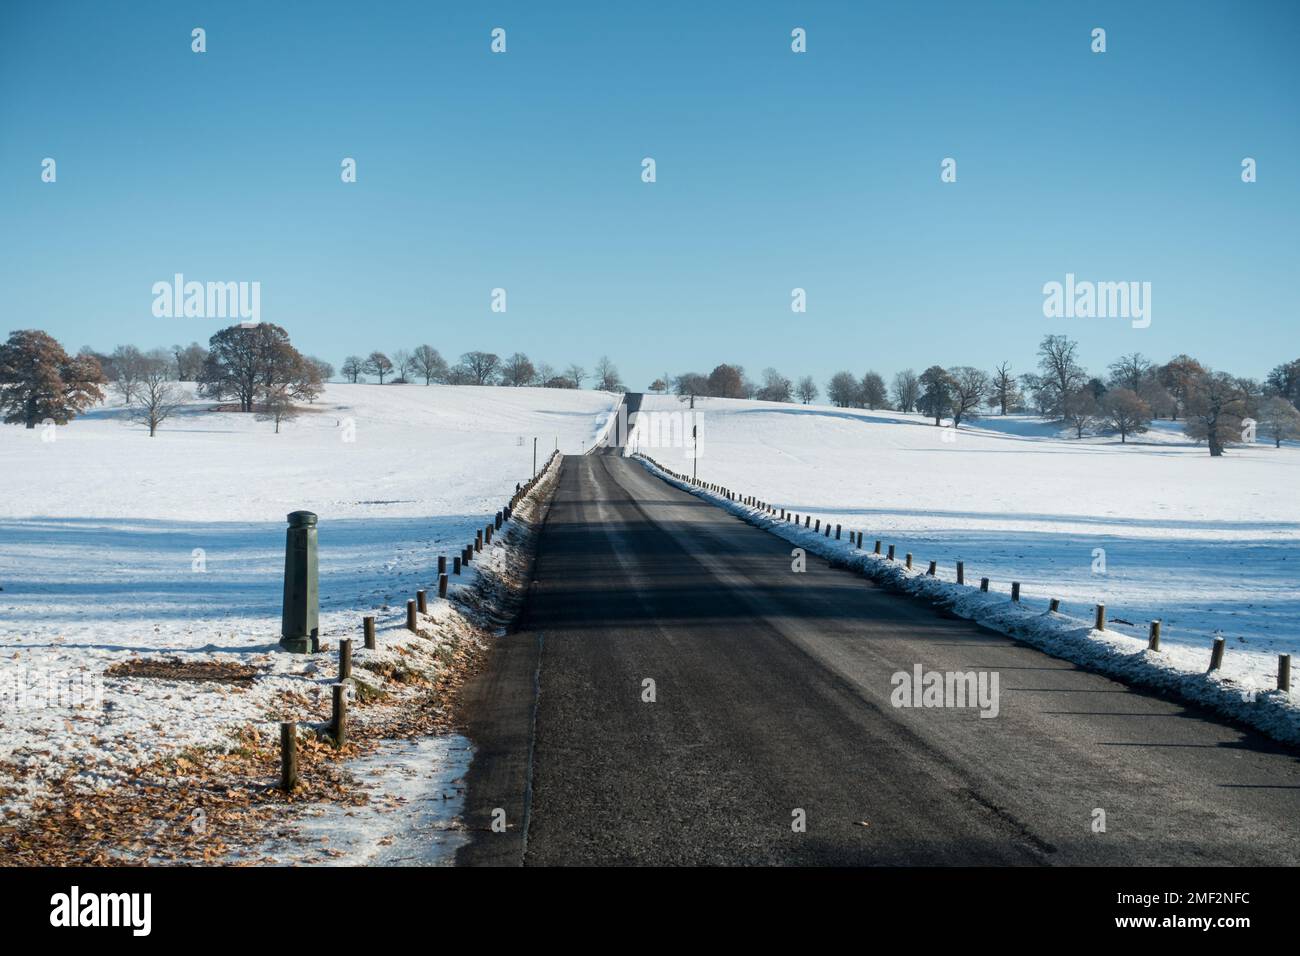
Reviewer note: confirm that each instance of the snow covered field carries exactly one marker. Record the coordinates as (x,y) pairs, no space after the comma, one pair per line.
(1209,546)
(113,544)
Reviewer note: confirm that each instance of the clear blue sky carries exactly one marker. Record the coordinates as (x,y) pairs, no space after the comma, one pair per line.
(775,170)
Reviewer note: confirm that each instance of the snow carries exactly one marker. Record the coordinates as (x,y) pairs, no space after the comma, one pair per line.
(1211,547)
(114,544)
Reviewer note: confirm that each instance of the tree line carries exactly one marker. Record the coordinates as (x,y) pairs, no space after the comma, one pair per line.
(424,363)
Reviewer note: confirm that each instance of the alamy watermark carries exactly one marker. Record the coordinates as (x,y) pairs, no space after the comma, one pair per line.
(1098,300)
(44,688)
(922,688)
(208,300)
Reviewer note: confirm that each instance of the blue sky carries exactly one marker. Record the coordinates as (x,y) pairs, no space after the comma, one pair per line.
(775,171)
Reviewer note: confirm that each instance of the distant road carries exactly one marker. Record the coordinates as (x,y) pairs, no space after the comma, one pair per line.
(773,695)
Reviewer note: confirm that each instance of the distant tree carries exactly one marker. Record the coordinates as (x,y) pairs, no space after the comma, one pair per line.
(39,381)
(691,383)
(352,368)
(1284,381)
(575,374)
(277,406)
(156,395)
(1131,371)
(1080,410)
(544,374)
(1062,375)
(1125,411)
(310,380)
(1178,376)
(429,364)
(128,365)
(775,388)
(518,370)
(242,359)
(325,369)
(189,361)
(403,363)
(482,366)
(1252,395)
(906,390)
(1214,407)
(807,390)
(377,363)
(727,381)
(1037,391)
(607,375)
(559,381)
(1004,391)
(659,386)
(970,387)
(936,392)
(460,375)
(872,392)
(1279,420)
(843,389)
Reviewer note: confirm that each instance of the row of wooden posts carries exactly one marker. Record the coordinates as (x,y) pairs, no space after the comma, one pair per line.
(855,540)
(338,729)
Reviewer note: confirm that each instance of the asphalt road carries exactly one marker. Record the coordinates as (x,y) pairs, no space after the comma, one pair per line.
(772,695)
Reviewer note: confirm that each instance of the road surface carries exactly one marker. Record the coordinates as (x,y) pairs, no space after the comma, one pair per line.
(772,698)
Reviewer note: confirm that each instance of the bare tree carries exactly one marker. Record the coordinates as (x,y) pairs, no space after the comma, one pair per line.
(518,370)
(1178,376)
(906,390)
(607,375)
(156,394)
(1279,419)
(1131,371)
(1003,389)
(1080,410)
(352,368)
(404,363)
(970,386)
(1125,411)
(843,389)
(481,366)
(936,392)
(128,365)
(776,387)
(871,391)
(377,363)
(575,374)
(277,406)
(429,363)
(1215,407)
(807,390)
(1062,374)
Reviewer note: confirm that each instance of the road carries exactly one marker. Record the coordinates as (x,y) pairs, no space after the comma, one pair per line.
(772,696)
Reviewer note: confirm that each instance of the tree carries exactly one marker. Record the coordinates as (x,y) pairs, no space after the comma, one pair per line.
(404,363)
(1004,392)
(277,406)
(907,390)
(659,386)
(727,381)
(518,370)
(607,375)
(38,380)
(1178,376)
(377,363)
(157,396)
(1124,410)
(481,366)
(843,389)
(1284,380)
(1132,372)
(310,380)
(936,392)
(575,374)
(128,365)
(871,391)
(1215,408)
(776,387)
(970,386)
(243,358)
(1080,410)
(807,390)
(1037,391)
(429,363)
(353,366)
(189,361)
(1062,374)
(1279,420)
(691,383)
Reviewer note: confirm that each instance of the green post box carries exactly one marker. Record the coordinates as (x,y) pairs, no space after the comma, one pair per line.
(299,626)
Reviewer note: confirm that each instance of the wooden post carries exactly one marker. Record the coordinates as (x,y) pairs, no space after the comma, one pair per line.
(909,560)
(478,540)
(368,629)
(890,556)
(1216,654)
(455,565)
(984,584)
(421,602)
(877,551)
(1284,672)
(1099,623)
(1054,605)
(345,658)
(339,722)
(410,616)
(961,572)
(933,568)
(442,585)
(1153,641)
(288,755)
(837,532)
(1015,591)
(442,564)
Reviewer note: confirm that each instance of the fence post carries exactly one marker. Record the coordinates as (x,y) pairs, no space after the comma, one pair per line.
(890,556)
(455,565)
(1153,641)
(961,572)
(1284,672)
(410,616)
(1054,605)
(288,755)
(933,567)
(1015,591)
(1099,623)
(299,621)
(984,584)
(339,722)
(442,564)
(368,629)
(1216,654)
(345,658)
(442,585)
(421,602)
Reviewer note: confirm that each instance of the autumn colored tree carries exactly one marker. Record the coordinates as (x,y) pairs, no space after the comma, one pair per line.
(39,381)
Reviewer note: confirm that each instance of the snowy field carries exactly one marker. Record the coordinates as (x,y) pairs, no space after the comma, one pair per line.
(113,544)
(1209,546)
